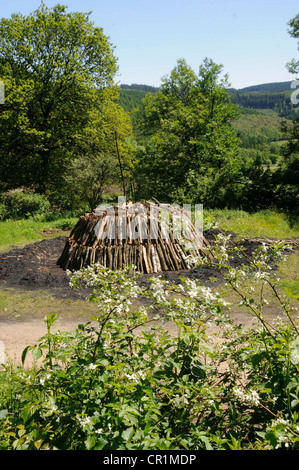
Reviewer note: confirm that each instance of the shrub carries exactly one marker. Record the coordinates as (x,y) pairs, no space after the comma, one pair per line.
(2,211)
(123,382)
(21,205)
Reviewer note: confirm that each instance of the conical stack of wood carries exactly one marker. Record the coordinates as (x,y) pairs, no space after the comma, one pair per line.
(120,236)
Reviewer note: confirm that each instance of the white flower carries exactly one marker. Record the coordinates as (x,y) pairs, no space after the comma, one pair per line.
(84,421)
(136,376)
(249,398)
(43,379)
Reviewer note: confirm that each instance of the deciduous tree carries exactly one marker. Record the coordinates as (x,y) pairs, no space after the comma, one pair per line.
(58,70)
(189,141)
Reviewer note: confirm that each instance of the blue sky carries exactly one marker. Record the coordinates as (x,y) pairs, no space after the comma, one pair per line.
(249,38)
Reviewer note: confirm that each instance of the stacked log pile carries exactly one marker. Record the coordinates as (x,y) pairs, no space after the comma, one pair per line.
(121,236)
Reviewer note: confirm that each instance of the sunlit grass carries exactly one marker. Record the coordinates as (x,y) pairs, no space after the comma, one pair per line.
(15,303)
(260,224)
(22,232)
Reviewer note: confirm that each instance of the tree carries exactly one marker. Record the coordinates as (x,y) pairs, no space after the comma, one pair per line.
(58,70)
(293,66)
(105,158)
(287,175)
(189,145)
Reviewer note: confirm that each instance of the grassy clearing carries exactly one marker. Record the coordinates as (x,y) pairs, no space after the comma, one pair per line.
(21,232)
(17,304)
(260,224)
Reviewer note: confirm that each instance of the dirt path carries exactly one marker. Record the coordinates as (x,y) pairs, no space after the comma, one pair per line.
(16,336)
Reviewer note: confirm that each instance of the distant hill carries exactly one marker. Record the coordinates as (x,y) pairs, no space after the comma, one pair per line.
(273,96)
(266,87)
(135,86)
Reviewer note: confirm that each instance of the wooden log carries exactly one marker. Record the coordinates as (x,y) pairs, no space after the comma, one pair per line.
(146,264)
(155,259)
(163,262)
(72,252)
(179,256)
(174,256)
(134,260)
(148,255)
(105,256)
(115,258)
(99,255)
(98,231)
(85,263)
(183,255)
(109,258)
(130,254)
(86,244)
(120,262)
(126,255)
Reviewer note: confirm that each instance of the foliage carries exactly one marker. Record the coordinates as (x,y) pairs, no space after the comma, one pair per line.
(280,102)
(58,71)
(131,99)
(22,231)
(123,382)
(258,130)
(3,212)
(293,66)
(19,204)
(267,87)
(106,157)
(288,172)
(187,131)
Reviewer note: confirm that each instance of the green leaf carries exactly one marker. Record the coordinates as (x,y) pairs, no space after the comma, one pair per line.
(90,442)
(198,369)
(100,443)
(24,353)
(128,433)
(294,403)
(50,319)
(3,414)
(206,442)
(294,348)
(37,353)
(272,438)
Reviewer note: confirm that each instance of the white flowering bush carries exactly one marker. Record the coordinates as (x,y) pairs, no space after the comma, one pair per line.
(123,381)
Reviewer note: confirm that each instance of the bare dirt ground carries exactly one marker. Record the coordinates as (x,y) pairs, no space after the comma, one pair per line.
(34,268)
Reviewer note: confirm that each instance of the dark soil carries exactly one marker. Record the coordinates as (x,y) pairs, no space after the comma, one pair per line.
(35,267)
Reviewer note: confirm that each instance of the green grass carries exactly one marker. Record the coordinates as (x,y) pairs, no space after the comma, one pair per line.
(21,232)
(260,224)
(15,303)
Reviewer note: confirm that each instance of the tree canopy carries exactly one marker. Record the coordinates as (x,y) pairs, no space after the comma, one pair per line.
(293,65)
(58,70)
(287,175)
(189,143)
